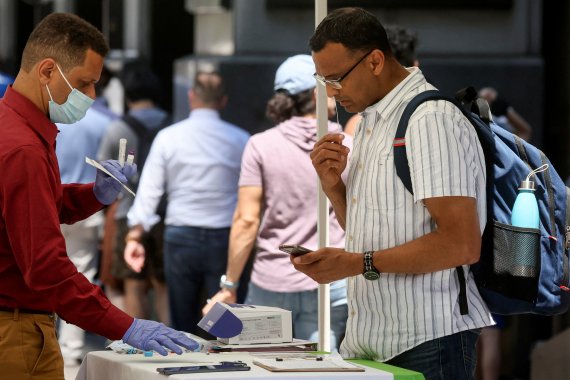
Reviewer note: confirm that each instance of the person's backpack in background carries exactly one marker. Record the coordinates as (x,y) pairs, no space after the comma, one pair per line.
(521,270)
(145,137)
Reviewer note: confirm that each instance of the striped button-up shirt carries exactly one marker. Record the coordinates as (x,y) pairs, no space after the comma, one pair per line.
(400,311)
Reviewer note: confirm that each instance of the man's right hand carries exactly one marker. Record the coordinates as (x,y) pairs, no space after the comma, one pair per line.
(330,158)
(223,295)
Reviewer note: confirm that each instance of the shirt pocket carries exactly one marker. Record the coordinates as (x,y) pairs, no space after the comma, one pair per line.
(384,190)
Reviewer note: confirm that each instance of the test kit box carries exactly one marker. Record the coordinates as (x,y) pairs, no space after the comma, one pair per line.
(248,324)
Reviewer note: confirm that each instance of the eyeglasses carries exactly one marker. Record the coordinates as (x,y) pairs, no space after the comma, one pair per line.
(335,83)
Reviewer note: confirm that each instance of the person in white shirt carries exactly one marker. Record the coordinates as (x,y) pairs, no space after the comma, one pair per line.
(196,163)
(401,250)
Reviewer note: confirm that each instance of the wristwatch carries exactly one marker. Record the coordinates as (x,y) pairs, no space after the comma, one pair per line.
(370,272)
(225,284)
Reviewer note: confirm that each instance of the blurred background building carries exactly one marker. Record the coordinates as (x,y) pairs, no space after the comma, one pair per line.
(520,47)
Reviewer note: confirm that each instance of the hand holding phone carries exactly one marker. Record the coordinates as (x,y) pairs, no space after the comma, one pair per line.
(294,249)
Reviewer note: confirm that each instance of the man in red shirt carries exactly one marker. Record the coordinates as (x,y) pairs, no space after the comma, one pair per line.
(61,63)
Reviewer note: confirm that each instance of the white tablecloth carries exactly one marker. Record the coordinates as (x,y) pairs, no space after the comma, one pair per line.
(108,365)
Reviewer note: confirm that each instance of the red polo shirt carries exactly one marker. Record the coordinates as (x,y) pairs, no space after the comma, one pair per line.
(35,272)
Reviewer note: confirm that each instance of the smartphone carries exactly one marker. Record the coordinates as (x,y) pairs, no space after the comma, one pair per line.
(222,367)
(294,249)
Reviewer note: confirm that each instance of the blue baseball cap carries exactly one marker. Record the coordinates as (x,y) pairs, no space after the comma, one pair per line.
(295,75)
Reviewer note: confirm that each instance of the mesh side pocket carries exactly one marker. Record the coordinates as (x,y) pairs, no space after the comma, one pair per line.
(515,266)
(516,251)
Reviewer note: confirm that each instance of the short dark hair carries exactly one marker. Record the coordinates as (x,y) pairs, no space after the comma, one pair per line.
(65,38)
(283,106)
(209,87)
(355,28)
(140,83)
(403,43)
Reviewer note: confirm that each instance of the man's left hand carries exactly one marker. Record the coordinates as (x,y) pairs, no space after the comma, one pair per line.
(326,265)
(107,189)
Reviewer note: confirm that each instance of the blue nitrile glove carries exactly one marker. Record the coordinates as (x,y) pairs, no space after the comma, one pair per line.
(106,189)
(150,335)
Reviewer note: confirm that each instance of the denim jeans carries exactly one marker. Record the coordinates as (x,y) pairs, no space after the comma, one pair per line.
(304,311)
(194,260)
(450,357)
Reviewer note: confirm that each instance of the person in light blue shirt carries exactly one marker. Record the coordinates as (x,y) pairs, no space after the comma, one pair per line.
(5,81)
(196,162)
(74,143)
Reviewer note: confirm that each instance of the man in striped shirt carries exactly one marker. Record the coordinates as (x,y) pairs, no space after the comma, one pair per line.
(401,249)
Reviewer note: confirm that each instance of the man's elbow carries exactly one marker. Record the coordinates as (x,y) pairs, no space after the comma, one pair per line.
(246,222)
(470,253)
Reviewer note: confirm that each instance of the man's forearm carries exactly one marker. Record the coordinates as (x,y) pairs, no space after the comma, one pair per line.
(337,197)
(242,239)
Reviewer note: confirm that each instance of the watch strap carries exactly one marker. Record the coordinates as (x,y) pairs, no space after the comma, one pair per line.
(370,271)
(226,284)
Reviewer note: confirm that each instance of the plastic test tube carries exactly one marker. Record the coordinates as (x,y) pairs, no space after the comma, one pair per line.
(131,157)
(122,151)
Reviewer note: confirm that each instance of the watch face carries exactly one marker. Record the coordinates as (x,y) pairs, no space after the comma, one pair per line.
(371,275)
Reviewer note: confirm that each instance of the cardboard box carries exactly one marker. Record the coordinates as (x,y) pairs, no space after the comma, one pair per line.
(248,324)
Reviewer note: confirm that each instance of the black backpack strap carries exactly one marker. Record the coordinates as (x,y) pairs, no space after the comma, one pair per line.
(403,169)
(522,151)
(145,136)
(400,157)
(137,127)
(550,192)
(566,274)
(463,307)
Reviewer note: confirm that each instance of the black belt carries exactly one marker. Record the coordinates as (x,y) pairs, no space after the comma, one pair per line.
(25,311)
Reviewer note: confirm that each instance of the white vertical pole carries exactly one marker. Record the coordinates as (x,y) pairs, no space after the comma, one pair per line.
(63,6)
(7,32)
(136,24)
(322,202)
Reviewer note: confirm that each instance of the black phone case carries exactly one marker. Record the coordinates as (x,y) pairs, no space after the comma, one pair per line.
(294,250)
(222,367)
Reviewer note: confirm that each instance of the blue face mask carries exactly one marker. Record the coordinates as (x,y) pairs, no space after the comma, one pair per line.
(73,109)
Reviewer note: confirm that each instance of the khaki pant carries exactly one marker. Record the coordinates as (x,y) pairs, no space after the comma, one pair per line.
(28,347)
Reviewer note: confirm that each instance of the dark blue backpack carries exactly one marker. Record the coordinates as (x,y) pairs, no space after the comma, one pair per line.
(506,279)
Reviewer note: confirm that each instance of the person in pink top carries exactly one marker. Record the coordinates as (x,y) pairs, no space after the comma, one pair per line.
(277,204)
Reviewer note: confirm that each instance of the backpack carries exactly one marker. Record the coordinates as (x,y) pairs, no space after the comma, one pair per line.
(521,270)
(145,137)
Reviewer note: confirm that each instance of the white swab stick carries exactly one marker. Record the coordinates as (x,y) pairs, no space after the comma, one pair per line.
(122,151)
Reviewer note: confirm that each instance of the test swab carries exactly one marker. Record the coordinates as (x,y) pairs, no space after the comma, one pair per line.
(131,157)
(94,163)
(122,151)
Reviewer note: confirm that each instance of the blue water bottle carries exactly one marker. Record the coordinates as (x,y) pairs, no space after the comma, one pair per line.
(525,210)
(525,214)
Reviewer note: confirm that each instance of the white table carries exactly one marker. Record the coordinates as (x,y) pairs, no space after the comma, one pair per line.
(109,365)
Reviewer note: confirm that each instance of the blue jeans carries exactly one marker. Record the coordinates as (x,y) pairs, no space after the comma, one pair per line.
(194,260)
(451,357)
(304,311)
